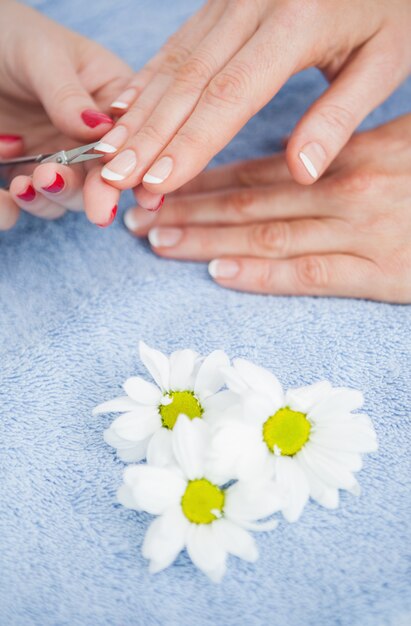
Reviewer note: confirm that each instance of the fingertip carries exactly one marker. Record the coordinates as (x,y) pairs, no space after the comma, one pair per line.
(138,221)
(100,199)
(303,165)
(9,211)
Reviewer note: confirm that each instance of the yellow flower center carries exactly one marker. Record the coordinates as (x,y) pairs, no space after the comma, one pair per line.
(181,402)
(286,431)
(202,502)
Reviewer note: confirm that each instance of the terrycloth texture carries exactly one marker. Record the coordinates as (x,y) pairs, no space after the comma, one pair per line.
(75,300)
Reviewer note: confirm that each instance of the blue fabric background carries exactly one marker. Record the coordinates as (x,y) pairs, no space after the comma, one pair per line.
(75,300)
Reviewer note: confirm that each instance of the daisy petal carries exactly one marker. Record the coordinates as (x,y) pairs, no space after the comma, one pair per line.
(351,436)
(324,495)
(142,391)
(182,369)
(157,364)
(206,551)
(118,405)
(137,425)
(352,460)
(216,407)
(340,401)
(295,485)
(160,449)
(234,381)
(330,472)
(165,538)
(210,378)
(126,498)
(252,501)
(260,380)
(235,540)
(128,451)
(155,489)
(304,398)
(190,443)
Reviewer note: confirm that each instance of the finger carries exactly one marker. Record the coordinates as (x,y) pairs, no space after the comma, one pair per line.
(10,146)
(69,106)
(329,123)
(173,53)
(252,173)
(317,275)
(234,95)
(274,240)
(9,211)
(25,196)
(60,184)
(100,199)
(283,201)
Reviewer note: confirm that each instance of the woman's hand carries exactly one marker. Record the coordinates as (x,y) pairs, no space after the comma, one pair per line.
(230,59)
(348,235)
(54,88)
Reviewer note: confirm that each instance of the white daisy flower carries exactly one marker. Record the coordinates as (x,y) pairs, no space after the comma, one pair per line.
(185,384)
(195,511)
(307,438)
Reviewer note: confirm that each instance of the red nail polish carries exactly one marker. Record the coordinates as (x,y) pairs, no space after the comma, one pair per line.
(158,207)
(111,219)
(95,118)
(27,195)
(56,186)
(10,138)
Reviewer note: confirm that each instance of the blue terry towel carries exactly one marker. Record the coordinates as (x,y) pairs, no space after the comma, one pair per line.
(75,300)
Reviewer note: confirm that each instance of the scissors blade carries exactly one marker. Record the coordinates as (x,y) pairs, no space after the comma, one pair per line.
(85,157)
(73,155)
(22,160)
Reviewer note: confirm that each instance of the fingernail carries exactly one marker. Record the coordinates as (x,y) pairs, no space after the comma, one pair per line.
(222,268)
(164,237)
(10,138)
(121,166)
(153,203)
(313,157)
(95,118)
(159,171)
(111,218)
(113,140)
(158,207)
(27,195)
(125,99)
(137,220)
(56,186)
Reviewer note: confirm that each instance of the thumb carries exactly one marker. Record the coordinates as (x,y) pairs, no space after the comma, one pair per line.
(10,146)
(70,107)
(329,123)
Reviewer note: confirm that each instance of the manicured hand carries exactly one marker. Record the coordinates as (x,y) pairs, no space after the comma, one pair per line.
(55,91)
(230,59)
(349,235)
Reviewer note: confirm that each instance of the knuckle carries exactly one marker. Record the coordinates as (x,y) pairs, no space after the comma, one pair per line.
(195,138)
(311,273)
(264,277)
(230,87)
(66,92)
(361,183)
(175,54)
(195,71)
(272,239)
(337,119)
(240,203)
(152,133)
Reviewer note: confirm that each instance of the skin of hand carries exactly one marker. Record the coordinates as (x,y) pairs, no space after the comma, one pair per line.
(349,235)
(54,88)
(230,59)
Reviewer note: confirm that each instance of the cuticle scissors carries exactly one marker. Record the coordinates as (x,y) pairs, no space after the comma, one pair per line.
(64,157)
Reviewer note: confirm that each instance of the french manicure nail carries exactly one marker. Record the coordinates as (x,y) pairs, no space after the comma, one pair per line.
(137,219)
(159,171)
(121,166)
(10,138)
(95,118)
(113,140)
(28,195)
(164,237)
(150,202)
(222,268)
(158,207)
(125,99)
(56,186)
(111,218)
(313,157)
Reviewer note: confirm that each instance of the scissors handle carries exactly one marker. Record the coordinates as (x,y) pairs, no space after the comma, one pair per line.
(22,160)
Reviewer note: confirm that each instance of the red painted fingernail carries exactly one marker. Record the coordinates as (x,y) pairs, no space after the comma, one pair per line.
(111,220)
(56,186)
(10,138)
(95,118)
(27,195)
(158,207)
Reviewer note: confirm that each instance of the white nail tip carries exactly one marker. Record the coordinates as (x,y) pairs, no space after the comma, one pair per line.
(109,175)
(308,164)
(131,221)
(213,269)
(148,178)
(153,238)
(105,147)
(119,105)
